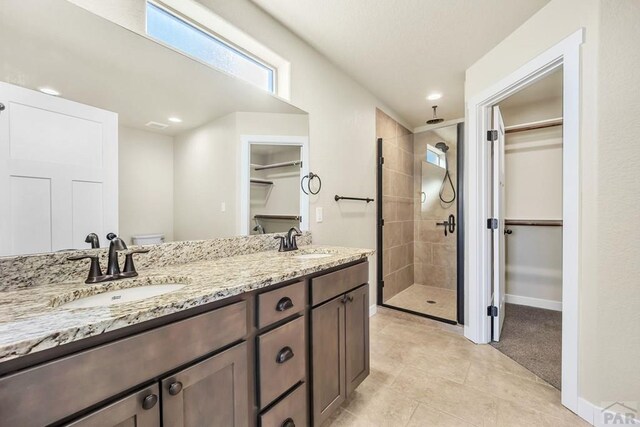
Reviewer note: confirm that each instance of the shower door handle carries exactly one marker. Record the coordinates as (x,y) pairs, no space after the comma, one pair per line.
(452,223)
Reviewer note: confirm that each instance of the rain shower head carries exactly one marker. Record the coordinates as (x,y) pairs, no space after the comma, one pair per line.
(442,147)
(435,119)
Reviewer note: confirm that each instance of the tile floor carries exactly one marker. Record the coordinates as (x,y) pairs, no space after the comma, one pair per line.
(425,373)
(415,298)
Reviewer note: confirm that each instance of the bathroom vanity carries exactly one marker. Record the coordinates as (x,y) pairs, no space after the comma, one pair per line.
(281,343)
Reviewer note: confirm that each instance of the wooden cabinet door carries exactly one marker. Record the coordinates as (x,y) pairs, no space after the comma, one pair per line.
(140,409)
(212,393)
(357,337)
(328,360)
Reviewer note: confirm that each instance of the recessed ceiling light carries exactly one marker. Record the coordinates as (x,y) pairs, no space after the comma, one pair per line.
(175,120)
(49,91)
(434,96)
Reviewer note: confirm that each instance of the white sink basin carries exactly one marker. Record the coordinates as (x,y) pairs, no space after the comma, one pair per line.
(312,256)
(121,296)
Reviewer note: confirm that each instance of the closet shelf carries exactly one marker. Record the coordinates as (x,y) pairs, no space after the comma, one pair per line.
(542,124)
(260,181)
(283,217)
(278,165)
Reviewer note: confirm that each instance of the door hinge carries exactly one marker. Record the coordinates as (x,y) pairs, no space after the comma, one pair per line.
(492,223)
(492,311)
(492,135)
(382,283)
(381,160)
(382,223)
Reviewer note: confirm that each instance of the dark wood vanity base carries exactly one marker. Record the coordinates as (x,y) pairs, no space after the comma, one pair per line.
(285,355)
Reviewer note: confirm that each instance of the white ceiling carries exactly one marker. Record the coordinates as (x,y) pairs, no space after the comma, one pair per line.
(402,50)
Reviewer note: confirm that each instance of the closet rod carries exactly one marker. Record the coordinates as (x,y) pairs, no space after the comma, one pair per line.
(284,217)
(542,124)
(535,222)
(279,165)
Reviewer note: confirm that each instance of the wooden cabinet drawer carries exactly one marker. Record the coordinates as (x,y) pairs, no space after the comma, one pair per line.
(291,409)
(280,303)
(328,286)
(65,386)
(282,356)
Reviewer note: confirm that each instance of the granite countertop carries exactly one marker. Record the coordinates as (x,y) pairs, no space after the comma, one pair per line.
(34,319)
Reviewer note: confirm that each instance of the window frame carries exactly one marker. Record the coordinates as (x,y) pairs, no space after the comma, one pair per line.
(441,159)
(189,21)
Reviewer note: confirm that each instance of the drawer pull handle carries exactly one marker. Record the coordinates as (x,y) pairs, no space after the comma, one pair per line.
(284,355)
(175,388)
(284,304)
(288,423)
(149,401)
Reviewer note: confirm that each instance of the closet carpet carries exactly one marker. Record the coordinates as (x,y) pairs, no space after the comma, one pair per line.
(533,338)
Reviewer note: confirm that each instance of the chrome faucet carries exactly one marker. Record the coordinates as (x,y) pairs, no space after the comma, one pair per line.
(117,244)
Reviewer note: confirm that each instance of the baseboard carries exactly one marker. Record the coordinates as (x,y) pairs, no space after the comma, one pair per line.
(616,413)
(373,309)
(534,302)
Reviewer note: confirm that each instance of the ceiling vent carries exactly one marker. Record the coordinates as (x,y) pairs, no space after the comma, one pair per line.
(156,125)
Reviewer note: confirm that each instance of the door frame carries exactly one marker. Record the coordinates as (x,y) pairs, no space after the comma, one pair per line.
(565,54)
(245,174)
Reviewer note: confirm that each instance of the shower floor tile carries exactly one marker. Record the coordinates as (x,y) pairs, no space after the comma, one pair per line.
(417,297)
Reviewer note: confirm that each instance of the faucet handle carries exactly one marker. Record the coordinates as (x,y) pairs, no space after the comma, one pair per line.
(283,245)
(95,273)
(129,267)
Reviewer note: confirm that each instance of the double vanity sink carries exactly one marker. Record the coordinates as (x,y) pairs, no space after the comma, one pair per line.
(282,338)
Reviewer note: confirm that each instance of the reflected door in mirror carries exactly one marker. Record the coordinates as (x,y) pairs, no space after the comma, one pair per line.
(58,172)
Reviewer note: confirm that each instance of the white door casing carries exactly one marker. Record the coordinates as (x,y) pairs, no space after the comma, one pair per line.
(58,172)
(499,249)
(565,54)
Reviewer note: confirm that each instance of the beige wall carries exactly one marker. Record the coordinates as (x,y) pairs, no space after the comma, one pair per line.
(609,297)
(145,174)
(435,254)
(205,171)
(397,204)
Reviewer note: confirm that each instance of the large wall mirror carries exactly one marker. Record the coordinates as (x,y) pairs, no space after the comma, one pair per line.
(133,138)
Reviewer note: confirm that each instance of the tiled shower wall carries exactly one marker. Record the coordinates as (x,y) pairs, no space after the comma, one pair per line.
(435,262)
(398,202)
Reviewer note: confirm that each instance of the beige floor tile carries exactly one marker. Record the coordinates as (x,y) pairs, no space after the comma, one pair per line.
(425,373)
(424,415)
(469,404)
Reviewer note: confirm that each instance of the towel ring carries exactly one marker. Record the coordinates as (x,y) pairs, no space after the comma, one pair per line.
(310,178)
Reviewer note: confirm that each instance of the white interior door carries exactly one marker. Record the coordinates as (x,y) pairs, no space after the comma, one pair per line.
(58,172)
(499,250)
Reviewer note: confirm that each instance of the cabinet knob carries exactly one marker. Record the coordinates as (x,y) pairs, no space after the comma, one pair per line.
(284,355)
(288,423)
(175,388)
(284,304)
(149,401)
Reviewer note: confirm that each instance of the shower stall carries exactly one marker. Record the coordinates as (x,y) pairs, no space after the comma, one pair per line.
(420,268)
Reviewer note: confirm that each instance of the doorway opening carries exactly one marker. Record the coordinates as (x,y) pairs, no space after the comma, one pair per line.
(527,195)
(419,231)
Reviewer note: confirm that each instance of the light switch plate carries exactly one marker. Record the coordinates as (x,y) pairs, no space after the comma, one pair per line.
(319,214)
(223,207)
